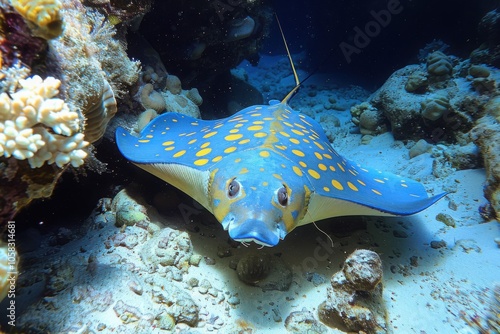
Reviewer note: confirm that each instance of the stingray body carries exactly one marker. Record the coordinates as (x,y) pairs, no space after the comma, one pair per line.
(266,170)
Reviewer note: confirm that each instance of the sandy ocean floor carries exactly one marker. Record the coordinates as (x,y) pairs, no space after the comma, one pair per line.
(434,274)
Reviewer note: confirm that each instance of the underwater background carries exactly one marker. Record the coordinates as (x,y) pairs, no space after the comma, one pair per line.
(93,244)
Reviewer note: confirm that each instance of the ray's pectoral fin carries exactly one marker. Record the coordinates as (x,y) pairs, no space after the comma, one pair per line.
(148,151)
(365,191)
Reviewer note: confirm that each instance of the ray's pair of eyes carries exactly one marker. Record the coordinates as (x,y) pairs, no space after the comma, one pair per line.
(234,187)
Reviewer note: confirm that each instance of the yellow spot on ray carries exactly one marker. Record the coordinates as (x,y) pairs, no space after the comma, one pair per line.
(337,184)
(332,168)
(297,170)
(303,164)
(179,154)
(303,120)
(295,141)
(376,192)
(210,134)
(230,149)
(297,132)
(404,185)
(361,182)
(201,162)
(203,152)
(319,145)
(244,141)
(299,125)
(278,176)
(255,128)
(340,166)
(322,167)
(352,186)
(217,158)
(143,140)
(318,155)
(314,174)
(284,134)
(326,189)
(264,154)
(260,134)
(168,143)
(233,137)
(149,136)
(298,153)
(237,160)
(170,148)
(379,181)
(192,141)
(265,184)
(244,170)
(257,122)
(205,144)
(233,130)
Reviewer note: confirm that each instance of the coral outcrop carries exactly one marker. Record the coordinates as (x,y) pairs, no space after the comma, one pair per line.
(25,119)
(86,66)
(43,16)
(93,66)
(486,135)
(489,51)
(354,300)
(172,98)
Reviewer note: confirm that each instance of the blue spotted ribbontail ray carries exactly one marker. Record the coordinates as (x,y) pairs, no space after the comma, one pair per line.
(266,170)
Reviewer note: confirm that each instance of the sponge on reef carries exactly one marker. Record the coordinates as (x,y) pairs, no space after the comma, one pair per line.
(36,126)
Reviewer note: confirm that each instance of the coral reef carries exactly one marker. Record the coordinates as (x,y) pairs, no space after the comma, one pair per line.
(304,322)
(25,118)
(169,248)
(91,69)
(128,208)
(435,106)
(43,16)
(144,118)
(354,300)
(172,98)
(486,135)
(368,118)
(439,66)
(151,99)
(417,82)
(489,51)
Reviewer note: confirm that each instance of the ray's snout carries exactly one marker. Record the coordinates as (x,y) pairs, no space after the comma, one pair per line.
(252,229)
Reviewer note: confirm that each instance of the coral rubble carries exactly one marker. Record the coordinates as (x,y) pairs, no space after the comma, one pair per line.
(354,300)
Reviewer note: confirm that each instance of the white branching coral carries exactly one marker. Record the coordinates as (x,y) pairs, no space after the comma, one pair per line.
(35,125)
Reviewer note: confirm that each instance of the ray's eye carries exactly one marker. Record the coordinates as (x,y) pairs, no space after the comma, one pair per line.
(282,196)
(233,189)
